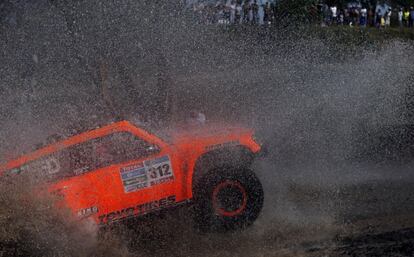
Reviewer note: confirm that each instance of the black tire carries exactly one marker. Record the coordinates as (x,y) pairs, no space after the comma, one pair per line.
(227,199)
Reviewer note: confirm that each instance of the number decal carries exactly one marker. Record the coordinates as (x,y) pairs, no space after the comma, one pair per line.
(166,169)
(159,170)
(149,173)
(152,173)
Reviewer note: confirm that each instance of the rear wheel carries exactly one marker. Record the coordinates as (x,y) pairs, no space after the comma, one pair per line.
(227,198)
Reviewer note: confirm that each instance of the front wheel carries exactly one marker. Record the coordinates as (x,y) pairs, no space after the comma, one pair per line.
(227,199)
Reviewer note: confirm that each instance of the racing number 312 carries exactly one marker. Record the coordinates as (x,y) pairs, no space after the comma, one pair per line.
(160,171)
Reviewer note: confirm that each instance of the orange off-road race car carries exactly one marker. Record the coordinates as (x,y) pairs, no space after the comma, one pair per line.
(121,171)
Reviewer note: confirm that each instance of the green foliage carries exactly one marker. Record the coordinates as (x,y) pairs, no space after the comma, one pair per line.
(403,2)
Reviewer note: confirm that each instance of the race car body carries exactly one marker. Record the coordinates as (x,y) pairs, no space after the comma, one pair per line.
(120,171)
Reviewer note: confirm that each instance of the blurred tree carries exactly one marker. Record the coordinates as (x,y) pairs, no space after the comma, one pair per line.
(404,2)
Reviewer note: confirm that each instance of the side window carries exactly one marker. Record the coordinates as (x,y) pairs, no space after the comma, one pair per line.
(104,151)
(94,154)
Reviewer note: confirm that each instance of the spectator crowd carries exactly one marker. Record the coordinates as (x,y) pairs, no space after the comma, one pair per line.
(264,12)
(355,14)
(235,12)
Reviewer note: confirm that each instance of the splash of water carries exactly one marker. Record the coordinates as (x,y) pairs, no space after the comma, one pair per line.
(305,96)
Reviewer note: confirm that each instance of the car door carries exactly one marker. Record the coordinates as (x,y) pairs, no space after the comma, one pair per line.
(143,178)
(114,176)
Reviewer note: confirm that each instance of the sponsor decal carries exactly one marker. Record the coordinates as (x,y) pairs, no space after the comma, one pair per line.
(134,178)
(137,210)
(147,174)
(87,212)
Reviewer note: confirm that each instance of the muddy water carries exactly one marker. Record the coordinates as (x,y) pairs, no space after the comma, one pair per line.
(310,100)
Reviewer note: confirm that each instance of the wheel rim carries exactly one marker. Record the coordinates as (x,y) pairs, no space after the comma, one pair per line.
(229,198)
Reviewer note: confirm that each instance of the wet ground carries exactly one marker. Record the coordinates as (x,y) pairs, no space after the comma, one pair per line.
(306,213)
